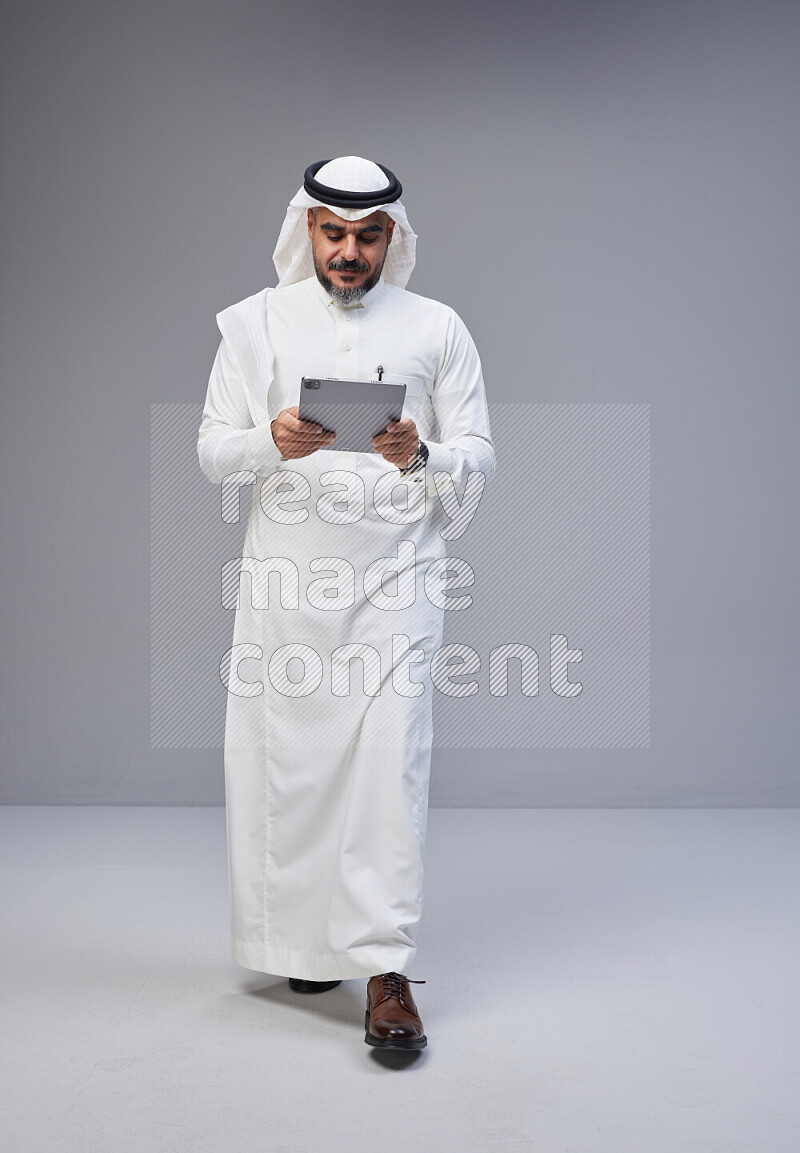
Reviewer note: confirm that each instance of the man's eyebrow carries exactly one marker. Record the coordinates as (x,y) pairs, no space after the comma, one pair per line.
(329,226)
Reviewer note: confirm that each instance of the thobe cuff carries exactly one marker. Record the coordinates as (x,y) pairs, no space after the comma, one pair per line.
(440,458)
(264,452)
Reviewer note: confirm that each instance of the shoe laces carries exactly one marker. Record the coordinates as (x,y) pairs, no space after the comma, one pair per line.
(395,985)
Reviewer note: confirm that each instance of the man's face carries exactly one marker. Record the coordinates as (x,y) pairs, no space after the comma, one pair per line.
(348,254)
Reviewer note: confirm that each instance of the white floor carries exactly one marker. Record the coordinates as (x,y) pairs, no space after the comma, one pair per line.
(597,981)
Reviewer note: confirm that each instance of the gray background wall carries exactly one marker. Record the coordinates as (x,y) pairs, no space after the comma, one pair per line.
(606,192)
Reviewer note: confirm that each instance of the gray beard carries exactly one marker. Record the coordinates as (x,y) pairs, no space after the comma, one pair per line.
(347,295)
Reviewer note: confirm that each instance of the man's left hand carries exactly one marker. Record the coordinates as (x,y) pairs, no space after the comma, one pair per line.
(398,444)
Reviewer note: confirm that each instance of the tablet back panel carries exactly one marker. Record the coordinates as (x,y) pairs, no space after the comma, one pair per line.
(356,410)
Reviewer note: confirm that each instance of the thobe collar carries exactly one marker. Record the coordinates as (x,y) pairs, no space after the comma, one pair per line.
(366,301)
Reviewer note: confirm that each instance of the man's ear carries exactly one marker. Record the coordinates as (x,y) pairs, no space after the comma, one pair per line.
(390,230)
(310,217)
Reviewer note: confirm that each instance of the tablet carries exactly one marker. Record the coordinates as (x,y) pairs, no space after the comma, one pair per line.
(356,410)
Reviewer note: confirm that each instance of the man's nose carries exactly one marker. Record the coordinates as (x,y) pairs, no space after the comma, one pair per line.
(350,247)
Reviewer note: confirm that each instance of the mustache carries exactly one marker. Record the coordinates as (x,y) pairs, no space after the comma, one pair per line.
(348,266)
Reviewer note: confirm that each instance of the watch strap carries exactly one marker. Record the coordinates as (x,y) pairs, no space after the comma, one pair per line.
(419,460)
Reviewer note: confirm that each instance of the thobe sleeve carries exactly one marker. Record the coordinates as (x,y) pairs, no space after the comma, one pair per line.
(228,441)
(459,402)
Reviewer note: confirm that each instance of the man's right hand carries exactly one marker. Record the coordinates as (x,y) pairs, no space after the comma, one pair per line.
(295,437)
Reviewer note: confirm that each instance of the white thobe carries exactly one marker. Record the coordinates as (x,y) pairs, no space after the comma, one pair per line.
(326,778)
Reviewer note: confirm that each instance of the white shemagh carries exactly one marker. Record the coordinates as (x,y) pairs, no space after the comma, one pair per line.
(292,256)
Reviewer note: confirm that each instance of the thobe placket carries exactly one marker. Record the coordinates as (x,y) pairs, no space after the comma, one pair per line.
(347,365)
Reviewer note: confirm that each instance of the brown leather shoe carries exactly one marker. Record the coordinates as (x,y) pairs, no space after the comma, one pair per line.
(392,1020)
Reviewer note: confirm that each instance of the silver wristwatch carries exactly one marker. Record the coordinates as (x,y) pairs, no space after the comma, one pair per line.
(419,461)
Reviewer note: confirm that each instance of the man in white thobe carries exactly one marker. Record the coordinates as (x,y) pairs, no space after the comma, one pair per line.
(328,727)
